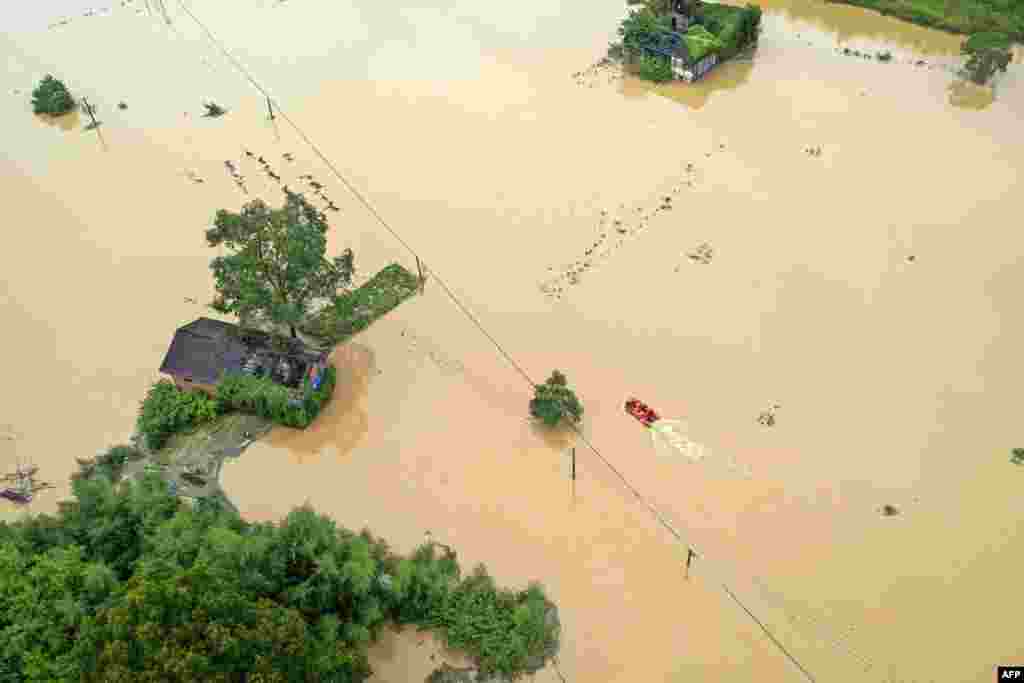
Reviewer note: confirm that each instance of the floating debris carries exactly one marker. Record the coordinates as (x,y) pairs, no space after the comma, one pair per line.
(890,510)
(287,156)
(213,110)
(767,417)
(703,254)
(122,106)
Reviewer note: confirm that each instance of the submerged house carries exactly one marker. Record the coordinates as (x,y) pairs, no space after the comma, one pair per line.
(696,37)
(203,351)
(690,54)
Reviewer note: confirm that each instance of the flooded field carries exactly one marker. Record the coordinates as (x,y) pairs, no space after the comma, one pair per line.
(865,295)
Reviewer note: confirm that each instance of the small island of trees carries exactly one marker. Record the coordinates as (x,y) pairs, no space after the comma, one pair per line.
(654,42)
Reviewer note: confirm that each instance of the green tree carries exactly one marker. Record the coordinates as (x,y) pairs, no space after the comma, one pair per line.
(51,96)
(277,265)
(554,400)
(642,27)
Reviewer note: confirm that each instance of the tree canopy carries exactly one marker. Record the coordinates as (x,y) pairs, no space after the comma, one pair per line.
(277,265)
(127,584)
(554,400)
(986,53)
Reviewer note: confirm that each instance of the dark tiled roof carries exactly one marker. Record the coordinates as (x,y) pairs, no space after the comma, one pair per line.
(205,349)
(669,44)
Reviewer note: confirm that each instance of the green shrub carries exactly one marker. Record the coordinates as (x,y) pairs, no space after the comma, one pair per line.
(262,396)
(51,96)
(986,53)
(554,400)
(353,311)
(111,463)
(503,630)
(656,69)
(167,410)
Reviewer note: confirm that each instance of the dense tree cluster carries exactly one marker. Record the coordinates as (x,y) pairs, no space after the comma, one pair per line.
(125,584)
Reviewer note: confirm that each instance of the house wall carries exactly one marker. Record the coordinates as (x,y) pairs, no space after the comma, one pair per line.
(179,381)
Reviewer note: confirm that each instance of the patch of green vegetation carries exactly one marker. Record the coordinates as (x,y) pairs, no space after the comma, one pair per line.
(352,312)
(167,410)
(51,97)
(961,16)
(656,69)
(1017,456)
(502,629)
(262,396)
(641,28)
(700,42)
(733,27)
(554,401)
(987,53)
(202,595)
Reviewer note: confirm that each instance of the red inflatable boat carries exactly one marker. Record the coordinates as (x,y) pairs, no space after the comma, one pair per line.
(642,412)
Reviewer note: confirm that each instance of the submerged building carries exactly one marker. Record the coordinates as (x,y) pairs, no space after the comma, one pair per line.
(203,351)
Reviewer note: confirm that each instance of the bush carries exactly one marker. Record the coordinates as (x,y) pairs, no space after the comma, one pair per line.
(167,410)
(554,400)
(986,53)
(656,69)
(262,396)
(502,629)
(52,97)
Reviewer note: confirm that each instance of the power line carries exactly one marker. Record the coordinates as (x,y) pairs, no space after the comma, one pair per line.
(505,354)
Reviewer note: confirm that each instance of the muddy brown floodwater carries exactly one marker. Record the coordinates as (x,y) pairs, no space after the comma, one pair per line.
(863,290)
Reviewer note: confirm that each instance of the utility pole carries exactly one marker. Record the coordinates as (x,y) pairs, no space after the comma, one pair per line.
(690,554)
(89,111)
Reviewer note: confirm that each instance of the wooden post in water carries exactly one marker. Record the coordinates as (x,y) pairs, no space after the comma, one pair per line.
(270,108)
(689,558)
(88,110)
(423,280)
(574,463)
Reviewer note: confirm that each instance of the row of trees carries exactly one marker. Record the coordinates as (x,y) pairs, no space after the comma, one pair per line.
(122,585)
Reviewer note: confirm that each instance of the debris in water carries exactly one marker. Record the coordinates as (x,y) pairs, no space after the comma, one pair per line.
(911,258)
(702,254)
(287,156)
(121,105)
(213,110)
(767,417)
(890,510)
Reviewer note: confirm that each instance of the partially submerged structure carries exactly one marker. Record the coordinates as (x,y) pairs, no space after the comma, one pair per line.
(696,36)
(203,351)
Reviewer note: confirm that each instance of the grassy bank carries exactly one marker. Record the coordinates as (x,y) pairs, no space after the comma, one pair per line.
(962,16)
(353,311)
